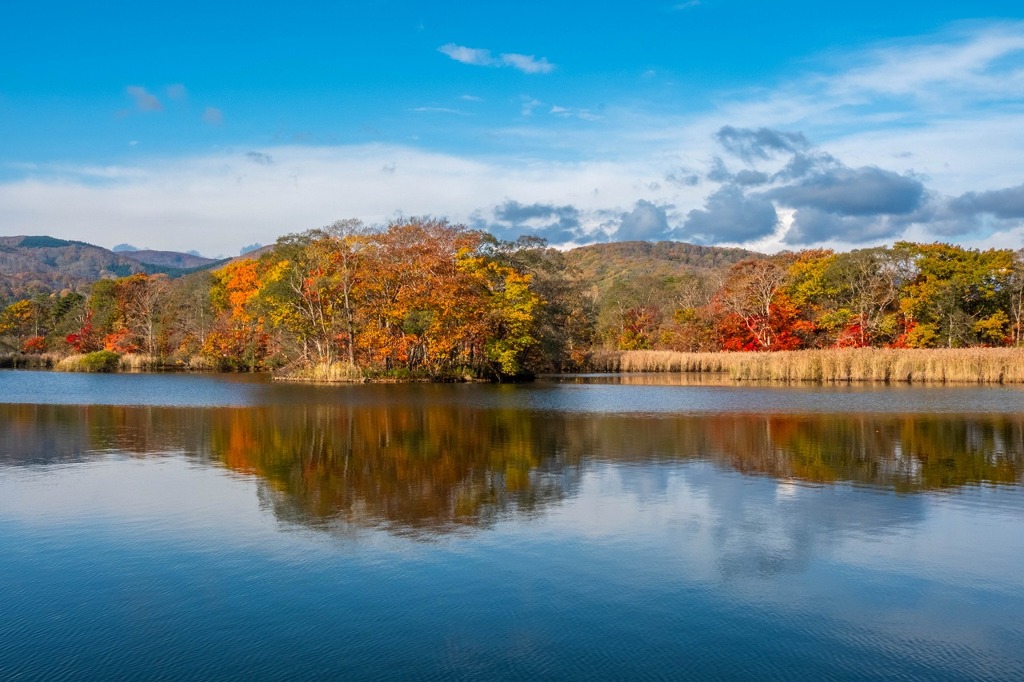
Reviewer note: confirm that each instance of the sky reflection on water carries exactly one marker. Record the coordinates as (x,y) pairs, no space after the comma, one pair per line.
(425,538)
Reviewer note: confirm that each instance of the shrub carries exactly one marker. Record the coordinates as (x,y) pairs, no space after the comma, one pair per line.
(99,361)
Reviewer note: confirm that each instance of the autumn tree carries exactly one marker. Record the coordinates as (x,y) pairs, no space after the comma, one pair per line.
(956,297)
(238,339)
(312,288)
(1014,283)
(758,315)
(564,315)
(16,323)
(140,303)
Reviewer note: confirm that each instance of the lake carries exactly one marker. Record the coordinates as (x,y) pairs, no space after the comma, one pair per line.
(227,527)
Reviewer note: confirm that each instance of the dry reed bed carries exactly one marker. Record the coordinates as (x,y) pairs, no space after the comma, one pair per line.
(28,361)
(335,372)
(107,361)
(944,365)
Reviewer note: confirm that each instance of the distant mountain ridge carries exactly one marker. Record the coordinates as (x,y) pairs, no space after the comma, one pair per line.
(39,264)
(168,259)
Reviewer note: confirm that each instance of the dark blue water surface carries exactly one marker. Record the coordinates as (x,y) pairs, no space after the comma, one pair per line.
(201,527)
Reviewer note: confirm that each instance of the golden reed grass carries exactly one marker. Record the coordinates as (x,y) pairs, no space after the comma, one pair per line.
(941,365)
(335,372)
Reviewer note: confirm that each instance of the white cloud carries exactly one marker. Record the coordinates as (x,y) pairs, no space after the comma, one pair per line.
(468,55)
(567,112)
(971,60)
(527,63)
(480,57)
(528,104)
(144,100)
(219,202)
(942,121)
(438,110)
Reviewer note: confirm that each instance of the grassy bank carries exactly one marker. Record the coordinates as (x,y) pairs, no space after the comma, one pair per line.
(944,366)
(109,361)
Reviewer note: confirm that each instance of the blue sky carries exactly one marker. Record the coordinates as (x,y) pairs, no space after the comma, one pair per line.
(212,126)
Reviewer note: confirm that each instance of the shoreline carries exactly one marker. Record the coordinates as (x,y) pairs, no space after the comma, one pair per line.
(980,366)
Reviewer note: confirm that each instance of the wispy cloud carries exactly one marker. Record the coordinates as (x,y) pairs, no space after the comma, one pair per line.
(213,116)
(481,57)
(468,55)
(528,104)
(988,60)
(526,63)
(567,112)
(438,110)
(144,100)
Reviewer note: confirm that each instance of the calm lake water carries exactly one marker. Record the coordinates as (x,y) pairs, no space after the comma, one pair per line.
(204,527)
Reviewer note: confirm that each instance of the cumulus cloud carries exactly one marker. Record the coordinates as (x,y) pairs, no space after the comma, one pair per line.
(826,200)
(811,225)
(645,221)
(480,57)
(762,143)
(854,192)
(802,164)
(1002,203)
(144,100)
(557,224)
(731,216)
(683,177)
(750,178)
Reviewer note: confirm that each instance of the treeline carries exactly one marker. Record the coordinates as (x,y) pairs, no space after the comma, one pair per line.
(426,299)
(905,296)
(419,299)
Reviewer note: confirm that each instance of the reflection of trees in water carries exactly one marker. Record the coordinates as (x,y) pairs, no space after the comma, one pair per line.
(435,466)
(902,452)
(403,467)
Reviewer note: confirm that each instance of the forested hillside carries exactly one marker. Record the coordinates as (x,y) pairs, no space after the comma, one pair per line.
(168,259)
(35,265)
(602,264)
(426,299)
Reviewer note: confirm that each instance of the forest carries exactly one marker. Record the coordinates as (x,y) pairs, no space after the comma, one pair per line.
(426,299)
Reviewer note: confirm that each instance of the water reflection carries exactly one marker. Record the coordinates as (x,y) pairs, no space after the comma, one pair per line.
(434,468)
